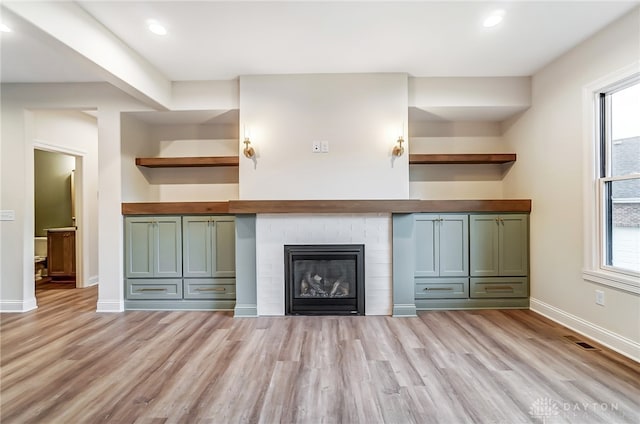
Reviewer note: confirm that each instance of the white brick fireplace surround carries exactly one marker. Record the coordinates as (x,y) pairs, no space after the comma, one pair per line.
(273,231)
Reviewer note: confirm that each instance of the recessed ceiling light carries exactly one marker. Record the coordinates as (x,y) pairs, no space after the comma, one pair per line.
(494,18)
(5,28)
(156,27)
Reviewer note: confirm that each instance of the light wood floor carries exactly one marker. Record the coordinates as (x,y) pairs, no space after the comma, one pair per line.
(64,363)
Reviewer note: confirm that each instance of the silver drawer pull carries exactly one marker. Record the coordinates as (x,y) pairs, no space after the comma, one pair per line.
(148,290)
(438,288)
(498,288)
(210,289)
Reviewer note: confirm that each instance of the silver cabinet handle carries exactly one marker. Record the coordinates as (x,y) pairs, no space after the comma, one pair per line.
(499,288)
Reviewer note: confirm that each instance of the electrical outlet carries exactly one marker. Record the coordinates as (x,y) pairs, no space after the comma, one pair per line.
(324,146)
(599,297)
(315,147)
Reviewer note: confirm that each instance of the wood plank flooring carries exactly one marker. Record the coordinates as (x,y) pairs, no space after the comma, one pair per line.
(65,363)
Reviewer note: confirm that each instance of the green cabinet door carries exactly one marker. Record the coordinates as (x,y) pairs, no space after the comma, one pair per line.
(209,246)
(138,250)
(153,247)
(224,247)
(483,245)
(499,245)
(197,255)
(514,242)
(168,247)
(454,245)
(427,241)
(442,245)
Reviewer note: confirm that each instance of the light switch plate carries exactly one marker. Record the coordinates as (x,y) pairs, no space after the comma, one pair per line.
(315,147)
(7,215)
(324,146)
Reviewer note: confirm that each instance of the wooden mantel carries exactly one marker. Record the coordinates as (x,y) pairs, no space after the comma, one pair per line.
(327,206)
(175,208)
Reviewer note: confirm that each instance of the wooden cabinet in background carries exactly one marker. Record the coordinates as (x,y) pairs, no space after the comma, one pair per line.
(61,254)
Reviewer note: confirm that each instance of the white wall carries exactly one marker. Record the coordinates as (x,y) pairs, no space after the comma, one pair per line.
(360,115)
(76,133)
(550,144)
(135,143)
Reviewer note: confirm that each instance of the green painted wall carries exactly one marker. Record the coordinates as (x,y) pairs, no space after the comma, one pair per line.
(52,191)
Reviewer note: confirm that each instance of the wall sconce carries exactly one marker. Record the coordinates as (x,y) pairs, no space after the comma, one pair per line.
(398,150)
(249,152)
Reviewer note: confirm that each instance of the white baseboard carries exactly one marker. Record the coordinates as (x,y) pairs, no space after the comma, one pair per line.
(93,280)
(383,310)
(18,305)
(110,306)
(620,344)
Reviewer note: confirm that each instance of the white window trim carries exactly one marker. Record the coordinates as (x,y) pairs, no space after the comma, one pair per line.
(593,269)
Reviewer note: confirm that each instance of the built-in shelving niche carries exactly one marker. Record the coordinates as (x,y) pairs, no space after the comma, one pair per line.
(180,155)
(458,152)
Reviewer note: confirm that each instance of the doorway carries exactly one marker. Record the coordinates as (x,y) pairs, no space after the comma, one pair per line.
(55,226)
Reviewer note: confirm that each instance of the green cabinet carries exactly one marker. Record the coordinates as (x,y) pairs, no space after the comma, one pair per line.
(502,287)
(154,288)
(180,262)
(499,245)
(442,288)
(499,251)
(467,261)
(442,245)
(209,246)
(210,288)
(153,247)
(441,256)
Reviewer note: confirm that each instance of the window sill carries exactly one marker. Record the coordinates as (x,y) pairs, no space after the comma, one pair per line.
(613,279)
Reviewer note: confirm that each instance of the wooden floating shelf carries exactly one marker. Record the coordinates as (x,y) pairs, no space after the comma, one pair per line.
(467,158)
(188,162)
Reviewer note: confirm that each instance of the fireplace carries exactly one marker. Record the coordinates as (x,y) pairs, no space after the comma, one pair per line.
(324,279)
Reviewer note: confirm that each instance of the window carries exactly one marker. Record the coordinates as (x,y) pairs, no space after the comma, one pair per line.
(615,237)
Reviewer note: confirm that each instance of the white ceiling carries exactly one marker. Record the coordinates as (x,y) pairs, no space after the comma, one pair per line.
(224,39)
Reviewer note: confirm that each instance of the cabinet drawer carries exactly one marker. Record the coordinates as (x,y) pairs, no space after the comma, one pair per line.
(499,287)
(441,288)
(210,288)
(154,289)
